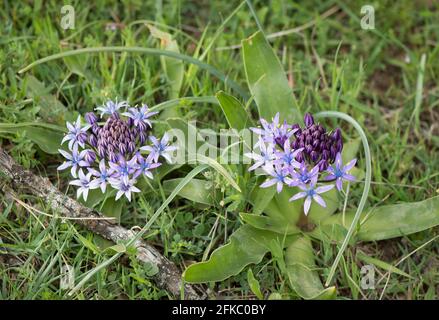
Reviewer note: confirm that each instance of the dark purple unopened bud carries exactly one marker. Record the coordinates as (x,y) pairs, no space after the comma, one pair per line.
(90,156)
(122,148)
(314,156)
(95,128)
(93,141)
(131,146)
(82,137)
(323,165)
(326,155)
(112,157)
(336,135)
(309,120)
(91,118)
(130,122)
(115,115)
(316,144)
(299,157)
(332,155)
(142,137)
(339,145)
(101,151)
(142,126)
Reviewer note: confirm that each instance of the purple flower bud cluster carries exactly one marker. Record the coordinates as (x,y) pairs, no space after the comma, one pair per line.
(319,146)
(301,157)
(111,149)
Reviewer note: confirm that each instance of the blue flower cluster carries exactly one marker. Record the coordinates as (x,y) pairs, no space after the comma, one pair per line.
(301,157)
(107,149)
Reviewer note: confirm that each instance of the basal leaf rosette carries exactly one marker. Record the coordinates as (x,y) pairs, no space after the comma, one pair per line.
(113,149)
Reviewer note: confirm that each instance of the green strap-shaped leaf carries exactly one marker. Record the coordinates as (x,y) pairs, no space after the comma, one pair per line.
(267,80)
(247,245)
(270,223)
(391,221)
(234,111)
(381,264)
(47,139)
(173,68)
(301,269)
(196,190)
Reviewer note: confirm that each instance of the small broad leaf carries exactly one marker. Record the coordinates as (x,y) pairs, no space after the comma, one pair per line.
(247,245)
(51,109)
(254,284)
(234,111)
(119,248)
(77,65)
(196,190)
(304,279)
(48,140)
(267,80)
(270,223)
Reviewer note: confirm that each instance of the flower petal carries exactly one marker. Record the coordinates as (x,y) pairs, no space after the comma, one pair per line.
(323,189)
(319,200)
(307,205)
(268,183)
(298,195)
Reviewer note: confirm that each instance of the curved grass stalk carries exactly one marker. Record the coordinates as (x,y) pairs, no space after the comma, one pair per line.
(356,125)
(32,124)
(174,102)
(155,52)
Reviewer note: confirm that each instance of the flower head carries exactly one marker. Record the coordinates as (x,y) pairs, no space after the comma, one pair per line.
(111,107)
(340,172)
(145,165)
(102,176)
(287,156)
(76,134)
(310,193)
(124,187)
(111,149)
(140,117)
(303,175)
(266,155)
(297,156)
(74,160)
(84,184)
(279,177)
(160,148)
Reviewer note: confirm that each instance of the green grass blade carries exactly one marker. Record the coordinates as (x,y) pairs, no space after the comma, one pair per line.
(367,181)
(155,52)
(381,264)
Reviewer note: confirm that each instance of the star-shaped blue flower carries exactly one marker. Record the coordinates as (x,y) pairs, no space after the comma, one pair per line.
(339,173)
(310,192)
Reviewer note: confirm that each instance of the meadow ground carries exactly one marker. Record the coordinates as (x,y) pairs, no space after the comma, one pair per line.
(332,64)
